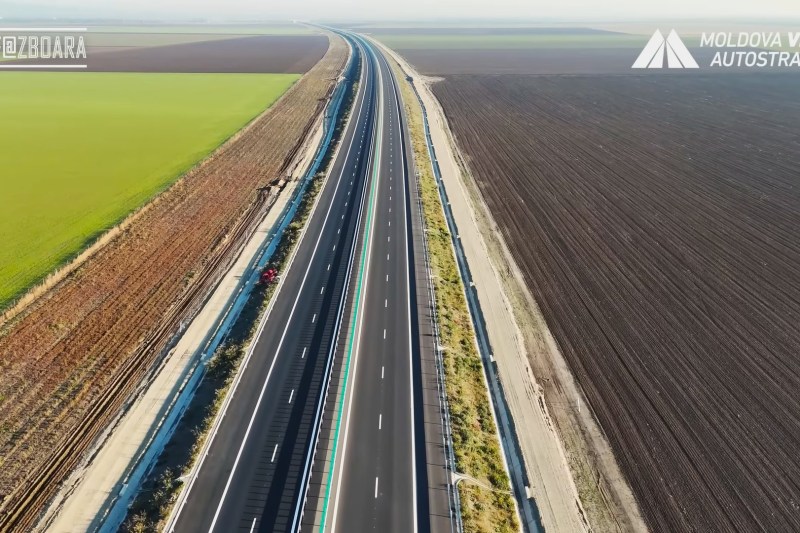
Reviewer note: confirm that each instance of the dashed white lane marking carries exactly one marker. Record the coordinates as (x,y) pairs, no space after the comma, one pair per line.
(376,487)
(388,239)
(384,333)
(380,421)
(329,266)
(387,278)
(322,290)
(253,527)
(334,247)
(275,451)
(314,318)
(382,369)
(386,302)
(291,395)
(387,257)
(303,355)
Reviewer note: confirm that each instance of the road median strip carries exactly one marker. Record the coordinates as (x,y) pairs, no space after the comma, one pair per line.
(474,433)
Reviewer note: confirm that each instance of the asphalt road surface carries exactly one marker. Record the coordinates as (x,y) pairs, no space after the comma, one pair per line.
(378,486)
(357,245)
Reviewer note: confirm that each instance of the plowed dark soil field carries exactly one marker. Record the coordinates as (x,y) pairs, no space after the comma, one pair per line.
(294,54)
(264,53)
(657,222)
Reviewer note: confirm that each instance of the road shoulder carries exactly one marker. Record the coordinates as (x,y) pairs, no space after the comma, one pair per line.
(563,448)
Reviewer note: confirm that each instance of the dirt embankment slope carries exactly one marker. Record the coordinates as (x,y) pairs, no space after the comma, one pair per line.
(63,360)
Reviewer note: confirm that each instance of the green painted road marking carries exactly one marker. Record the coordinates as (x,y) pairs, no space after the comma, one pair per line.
(352,336)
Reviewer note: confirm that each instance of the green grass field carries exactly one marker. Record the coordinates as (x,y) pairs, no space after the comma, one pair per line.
(80,151)
(499,41)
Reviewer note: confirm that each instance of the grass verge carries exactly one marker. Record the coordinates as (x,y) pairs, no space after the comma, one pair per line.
(475,443)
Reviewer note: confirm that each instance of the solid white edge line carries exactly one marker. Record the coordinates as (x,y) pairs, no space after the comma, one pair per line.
(408,300)
(250,350)
(184,494)
(357,348)
(339,316)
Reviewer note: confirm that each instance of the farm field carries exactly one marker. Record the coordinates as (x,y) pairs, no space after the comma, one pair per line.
(513,50)
(504,38)
(74,356)
(206,29)
(236,54)
(139,131)
(655,222)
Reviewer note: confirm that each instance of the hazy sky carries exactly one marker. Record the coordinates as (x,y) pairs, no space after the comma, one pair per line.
(416,9)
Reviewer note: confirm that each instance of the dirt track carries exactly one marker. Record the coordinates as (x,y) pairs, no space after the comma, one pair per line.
(655,221)
(60,360)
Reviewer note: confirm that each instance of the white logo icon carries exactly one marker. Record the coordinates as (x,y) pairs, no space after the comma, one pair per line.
(657,47)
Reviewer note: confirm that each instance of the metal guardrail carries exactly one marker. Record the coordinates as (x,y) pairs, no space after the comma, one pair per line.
(328,375)
(454,499)
(531,520)
(444,408)
(114,513)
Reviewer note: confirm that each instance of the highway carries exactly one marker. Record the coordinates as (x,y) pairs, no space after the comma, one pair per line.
(352,283)
(378,484)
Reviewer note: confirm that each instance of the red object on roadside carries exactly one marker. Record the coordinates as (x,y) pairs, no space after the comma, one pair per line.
(268,276)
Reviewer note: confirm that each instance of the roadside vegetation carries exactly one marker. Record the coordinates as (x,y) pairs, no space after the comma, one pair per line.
(486,500)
